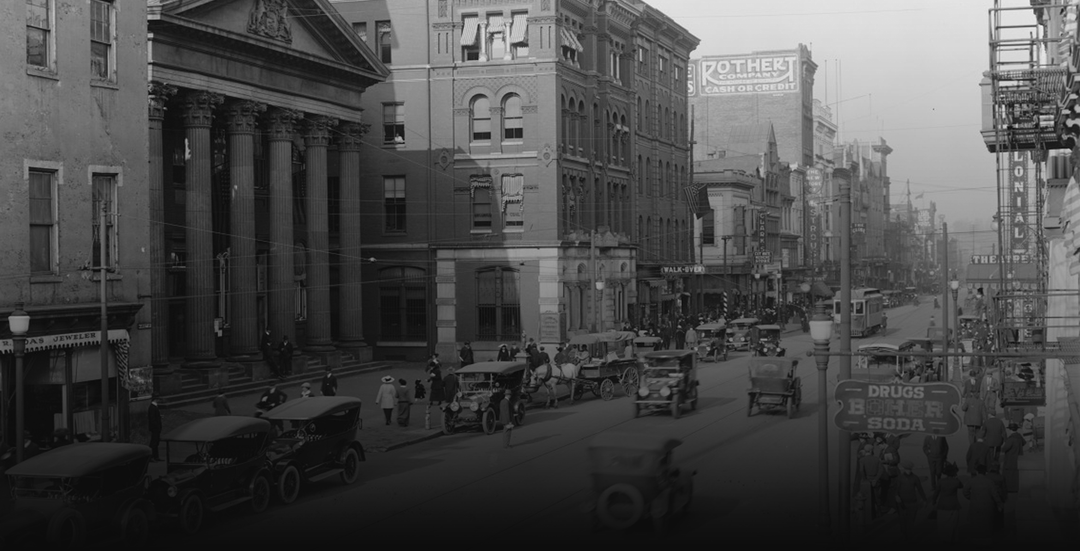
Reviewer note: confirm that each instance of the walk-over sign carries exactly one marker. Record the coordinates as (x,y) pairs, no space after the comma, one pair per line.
(931,408)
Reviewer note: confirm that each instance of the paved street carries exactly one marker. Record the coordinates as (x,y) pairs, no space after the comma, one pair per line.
(757,476)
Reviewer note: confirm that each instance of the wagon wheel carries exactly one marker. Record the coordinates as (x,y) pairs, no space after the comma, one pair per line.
(135,528)
(629,381)
(620,506)
(798,396)
(607,389)
(579,390)
(66,529)
(596,390)
(488,421)
(448,424)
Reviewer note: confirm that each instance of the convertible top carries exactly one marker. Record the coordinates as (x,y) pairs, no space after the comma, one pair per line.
(499,368)
(713,326)
(312,407)
(211,429)
(608,336)
(745,321)
(635,441)
(75,460)
(769,327)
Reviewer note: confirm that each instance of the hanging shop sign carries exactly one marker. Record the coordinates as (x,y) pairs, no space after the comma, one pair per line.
(762,227)
(66,340)
(693,269)
(995,259)
(1018,179)
(932,408)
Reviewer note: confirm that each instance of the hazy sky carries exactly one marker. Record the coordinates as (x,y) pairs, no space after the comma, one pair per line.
(909,73)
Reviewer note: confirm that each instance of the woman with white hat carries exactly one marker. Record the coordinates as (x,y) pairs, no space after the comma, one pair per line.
(305,390)
(387,397)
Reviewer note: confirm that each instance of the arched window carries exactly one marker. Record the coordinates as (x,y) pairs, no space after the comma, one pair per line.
(669,186)
(480,111)
(667,123)
(403,304)
(498,305)
(658,124)
(513,127)
(580,136)
(648,118)
(648,176)
(626,143)
(639,112)
(640,176)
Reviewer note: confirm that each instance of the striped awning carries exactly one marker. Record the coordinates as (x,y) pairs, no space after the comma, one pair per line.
(495,23)
(470,31)
(66,340)
(571,41)
(519,28)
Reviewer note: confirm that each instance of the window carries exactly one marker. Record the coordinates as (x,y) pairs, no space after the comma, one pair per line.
(480,111)
(470,44)
(383,40)
(104,196)
(481,208)
(512,120)
(513,186)
(394,203)
(662,67)
(403,304)
(361,30)
(498,309)
(39,33)
(42,222)
(101,39)
(519,34)
(394,123)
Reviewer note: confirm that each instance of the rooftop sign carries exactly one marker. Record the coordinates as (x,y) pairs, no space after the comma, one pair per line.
(771,73)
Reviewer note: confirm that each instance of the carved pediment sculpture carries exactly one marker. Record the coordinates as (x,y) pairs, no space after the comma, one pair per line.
(270,18)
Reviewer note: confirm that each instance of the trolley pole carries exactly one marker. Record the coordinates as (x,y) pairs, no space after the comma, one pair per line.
(844,445)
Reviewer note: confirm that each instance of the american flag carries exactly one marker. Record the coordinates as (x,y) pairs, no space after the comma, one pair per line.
(1070,218)
(698,199)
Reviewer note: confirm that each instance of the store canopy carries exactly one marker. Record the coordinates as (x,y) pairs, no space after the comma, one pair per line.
(571,41)
(518,28)
(66,340)
(990,273)
(470,31)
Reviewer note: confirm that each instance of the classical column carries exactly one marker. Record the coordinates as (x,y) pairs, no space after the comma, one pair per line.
(281,125)
(243,276)
(199,308)
(350,299)
(159,273)
(316,139)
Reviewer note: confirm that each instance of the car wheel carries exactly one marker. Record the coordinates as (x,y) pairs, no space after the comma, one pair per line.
(488,421)
(66,530)
(288,484)
(676,407)
(260,494)
(620,506)
(607,389)
(191,514)
(350,467)
(519,414)
(448,424)
(134,528)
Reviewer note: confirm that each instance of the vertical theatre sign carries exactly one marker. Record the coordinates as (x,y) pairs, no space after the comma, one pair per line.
(762,229)
(772,73)
(1018,178)
(814,179)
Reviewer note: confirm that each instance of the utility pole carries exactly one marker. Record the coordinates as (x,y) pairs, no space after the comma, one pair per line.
(592,287)
(106,422)
(844,446)
(945,297)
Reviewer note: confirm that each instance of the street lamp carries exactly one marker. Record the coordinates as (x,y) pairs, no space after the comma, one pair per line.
(757,291)
(600,316)
(821,332)
(19,324)
(954,285)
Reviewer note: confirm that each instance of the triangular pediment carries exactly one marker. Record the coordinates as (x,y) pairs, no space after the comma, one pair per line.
(312,27)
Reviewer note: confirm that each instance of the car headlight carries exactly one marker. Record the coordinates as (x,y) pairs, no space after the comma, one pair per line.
(742,338)
(666,391)
(474,406)
(171,491)
(454,406)
(643,392)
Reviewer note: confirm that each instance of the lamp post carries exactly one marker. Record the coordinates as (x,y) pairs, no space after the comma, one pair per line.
(19,324)
(955,286)
(757,291)
(599,314)
(821,332)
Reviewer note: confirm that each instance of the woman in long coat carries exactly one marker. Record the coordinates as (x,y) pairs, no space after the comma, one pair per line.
(946,500)
(404,403)
(1011,450)
(387,397)
(983,503)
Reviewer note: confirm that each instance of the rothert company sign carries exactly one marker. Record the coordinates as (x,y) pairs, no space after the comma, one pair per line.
(771,73)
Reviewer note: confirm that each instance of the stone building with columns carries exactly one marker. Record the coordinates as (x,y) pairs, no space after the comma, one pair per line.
(254,153)
(524,176)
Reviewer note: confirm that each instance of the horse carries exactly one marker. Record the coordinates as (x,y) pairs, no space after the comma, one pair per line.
(559,375)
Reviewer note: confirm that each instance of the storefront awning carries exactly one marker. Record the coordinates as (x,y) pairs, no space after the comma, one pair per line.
(470,31)
(66,340)
(571,41)
(990,273)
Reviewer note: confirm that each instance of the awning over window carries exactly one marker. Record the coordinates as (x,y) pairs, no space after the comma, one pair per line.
(570,40)
(67,340)
(495,24)
(470,31)
(519,29)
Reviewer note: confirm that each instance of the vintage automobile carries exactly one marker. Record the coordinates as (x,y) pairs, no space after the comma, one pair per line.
(481,387)
(320,442)
(739,333)
(712,339)
(213,464)
(887,354)
(773,384)
(633,477)
(668,381)
(768,342)
(608,364)
(70,495)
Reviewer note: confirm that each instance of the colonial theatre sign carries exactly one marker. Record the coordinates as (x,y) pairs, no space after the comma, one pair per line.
(776,72)
(931,408)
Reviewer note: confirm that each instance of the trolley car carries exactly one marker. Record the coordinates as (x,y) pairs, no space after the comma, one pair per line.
(867,311)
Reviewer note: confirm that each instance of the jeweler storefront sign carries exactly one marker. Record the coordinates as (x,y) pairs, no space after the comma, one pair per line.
(931,408)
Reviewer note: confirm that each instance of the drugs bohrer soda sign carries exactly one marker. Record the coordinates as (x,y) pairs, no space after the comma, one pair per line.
(931,408)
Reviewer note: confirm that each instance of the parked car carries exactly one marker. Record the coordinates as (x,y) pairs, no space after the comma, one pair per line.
(321,441)
(213,464)
(68,496)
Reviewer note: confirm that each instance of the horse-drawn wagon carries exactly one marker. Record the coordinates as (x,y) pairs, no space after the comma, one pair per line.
(597,363)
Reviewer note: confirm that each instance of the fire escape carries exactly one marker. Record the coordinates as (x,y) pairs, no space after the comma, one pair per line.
(1023,115)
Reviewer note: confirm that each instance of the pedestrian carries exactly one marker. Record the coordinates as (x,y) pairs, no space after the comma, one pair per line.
(438,395)
(680,338)
(329,383)
(153,421)
(270,399)
(936,449)
(691,338)
(387,397)
(305,390)
(450,384)
(890,462)
(404,403)
(285,355)
(267,351)
(910,497)
(983,502)
(221,404)
(946,502)
(504,354)
(978,454)
(560,355)
(971,384)
(993,474)
(973,415)
(466,355)
(433,362)
(993,431)
(506,408)
(1011,450)
(870,471)
(419,391)
(1027,431)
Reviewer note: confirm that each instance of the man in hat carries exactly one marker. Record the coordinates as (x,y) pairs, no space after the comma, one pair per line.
(266,346)
(285,352)
(329,383)
(466,355)
(910,497)
(993,431)
(153,420)
(936,449)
